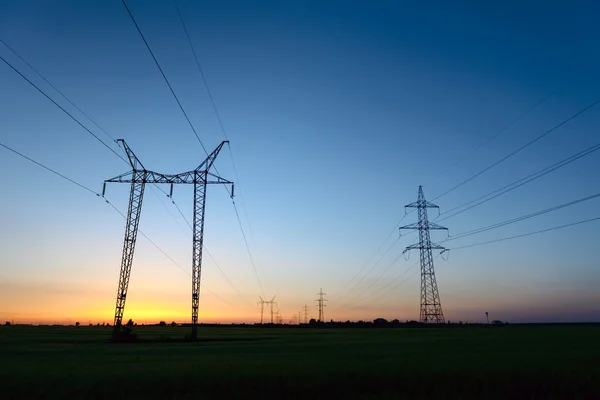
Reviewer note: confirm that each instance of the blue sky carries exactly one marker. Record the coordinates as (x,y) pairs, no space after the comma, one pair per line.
(336,114)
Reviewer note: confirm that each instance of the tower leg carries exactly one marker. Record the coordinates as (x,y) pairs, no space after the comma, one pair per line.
(131,229)
(199,207)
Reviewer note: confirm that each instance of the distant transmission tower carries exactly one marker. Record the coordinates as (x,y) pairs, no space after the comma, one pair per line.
(305,311)
(138,177)
(262,308)
(431,307)
(272,303)
(321,302)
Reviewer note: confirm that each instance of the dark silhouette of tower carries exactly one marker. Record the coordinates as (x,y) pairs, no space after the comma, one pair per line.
(321,302)
(431,307)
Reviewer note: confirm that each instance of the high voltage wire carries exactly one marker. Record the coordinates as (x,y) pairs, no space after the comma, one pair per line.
(527,234)
(490,227)
(504,129)
(192,127)
(375,280)
(212,258)
(83,126)
(200,68)
(374,254)
(486,243)
(521,182)
(521,116)
(57,90)
(248,249)
(392,282)
(578,113)
(357,284)
(63,110)
(521,218)
(109,203)
(214,106)
(164,76)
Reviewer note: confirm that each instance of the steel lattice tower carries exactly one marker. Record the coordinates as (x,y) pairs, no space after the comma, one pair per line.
(139,176)
(321,302)
(431,306)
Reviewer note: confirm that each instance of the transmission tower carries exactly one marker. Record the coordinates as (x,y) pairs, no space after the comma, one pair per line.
(271,303)
(262,308)
(431,307)
(305,311)
(139,176)
(321,302)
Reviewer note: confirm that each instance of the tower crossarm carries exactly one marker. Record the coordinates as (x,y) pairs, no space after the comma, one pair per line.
(207,164)
(421,204)
(136,164)
(420,225)
(417,246)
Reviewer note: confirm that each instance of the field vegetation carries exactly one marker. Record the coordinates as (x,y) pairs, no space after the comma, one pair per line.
(561,361)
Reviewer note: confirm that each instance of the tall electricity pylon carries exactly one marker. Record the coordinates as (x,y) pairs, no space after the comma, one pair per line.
(431,307)
(262,308)
(305,311)
(139,176)
(272,303)
(321,302)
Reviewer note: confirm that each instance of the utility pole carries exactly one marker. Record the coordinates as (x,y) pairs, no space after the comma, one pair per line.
(321,302)
(487,317)
(305,309)
(138,177)
(262,308)
(431,307)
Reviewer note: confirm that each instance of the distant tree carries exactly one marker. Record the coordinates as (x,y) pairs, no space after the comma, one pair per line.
(76,323)
(380,321)
(173,323)
(7,323)
(129,323)
(396,321)
(162,323)
(312,321)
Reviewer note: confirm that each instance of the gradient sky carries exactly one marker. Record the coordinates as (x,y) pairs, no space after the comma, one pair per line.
(336,112)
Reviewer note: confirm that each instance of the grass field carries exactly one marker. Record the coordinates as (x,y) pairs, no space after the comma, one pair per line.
(469,362)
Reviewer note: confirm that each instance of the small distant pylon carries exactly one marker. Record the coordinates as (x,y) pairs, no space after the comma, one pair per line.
(305,311)
(321,302)
(431,306)
(262,308)
(272,303)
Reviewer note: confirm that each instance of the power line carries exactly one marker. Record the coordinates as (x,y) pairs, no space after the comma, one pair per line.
(200,68)
(527,234)
(248,249)
(375,280)
(504,129)
(194,130)
(396,285)
(63,110)
(521,218)
(57,90)
(109,203)
(521,116)
(520,182)
(49,169)
(374,254)
(214,106)
(578,113)
(357,284)
(204,247)
(164,76)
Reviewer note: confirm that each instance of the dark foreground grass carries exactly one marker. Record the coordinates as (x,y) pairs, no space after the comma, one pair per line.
(471,362)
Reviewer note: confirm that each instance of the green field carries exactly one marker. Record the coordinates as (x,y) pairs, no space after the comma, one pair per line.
(543,362)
